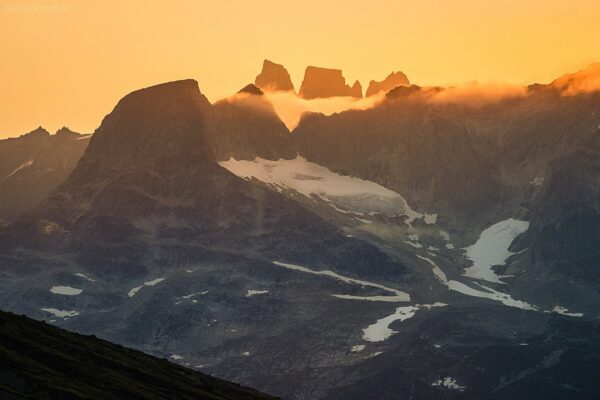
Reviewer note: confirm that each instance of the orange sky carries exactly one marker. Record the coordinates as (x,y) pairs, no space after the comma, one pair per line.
(68,62)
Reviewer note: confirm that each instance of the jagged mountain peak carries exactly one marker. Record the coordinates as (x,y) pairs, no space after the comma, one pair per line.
(393,80)
(65,132)
(251,89)
(37,132)
(273,77)
(326,82)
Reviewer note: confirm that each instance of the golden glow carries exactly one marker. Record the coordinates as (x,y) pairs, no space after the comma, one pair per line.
(68,62)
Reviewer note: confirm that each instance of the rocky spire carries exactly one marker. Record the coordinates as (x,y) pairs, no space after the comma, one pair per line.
(273,77)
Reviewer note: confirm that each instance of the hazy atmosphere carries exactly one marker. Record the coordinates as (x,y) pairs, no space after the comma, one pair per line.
(307,200)
(67,62)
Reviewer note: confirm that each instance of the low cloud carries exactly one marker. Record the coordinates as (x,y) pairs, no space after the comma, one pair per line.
(477,93)
(290,106)
(585,81)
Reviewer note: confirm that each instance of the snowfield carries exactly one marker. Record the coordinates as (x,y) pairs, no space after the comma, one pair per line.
(492,249)
(344,193)
(20,167)
(397,297)
(486,293)
(251,292)
(563,311)
(133,291)
(60,313)
(66,290)
(380,330)
(87,278)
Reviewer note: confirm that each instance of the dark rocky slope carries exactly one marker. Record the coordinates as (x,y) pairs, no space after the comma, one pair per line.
(246,126)
(40,361)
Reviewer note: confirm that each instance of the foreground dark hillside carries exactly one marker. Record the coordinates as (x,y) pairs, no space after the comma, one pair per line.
(41,361)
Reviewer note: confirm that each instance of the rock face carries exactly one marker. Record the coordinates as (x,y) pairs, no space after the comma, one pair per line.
(565,218)
(356,89)
(324,82)
(32,165)
(396,151)
(246,126)
(532,156)
(274,77)
(393,80)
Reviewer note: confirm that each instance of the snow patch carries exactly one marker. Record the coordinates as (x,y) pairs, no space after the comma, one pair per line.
(133,291)
(397,297)
(380,330)
(66,290)
(492,249)
(357,348)
(246,353)
(85,277)
(189,296)
(20,167)
(446,236)
(430,219)
(176,357)
(251,292)
(537,181)
(61,313)
(563,311)
(449,383)
(489,293)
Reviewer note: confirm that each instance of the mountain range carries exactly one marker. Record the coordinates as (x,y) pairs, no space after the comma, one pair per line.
(428,246)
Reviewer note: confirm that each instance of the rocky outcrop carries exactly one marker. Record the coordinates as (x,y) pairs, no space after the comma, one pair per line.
(246,126)
(34,164)
(565,219)
(273,77)
(356,89)
(324,82)
(395,143)
(393,80)
(251,89)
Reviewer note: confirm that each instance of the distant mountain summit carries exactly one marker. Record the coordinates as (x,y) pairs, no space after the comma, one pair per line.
(274,77)
(393,80)
(325,82)
(251,89)
(246,126)
(585,80)
(32,165)
(149,128)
